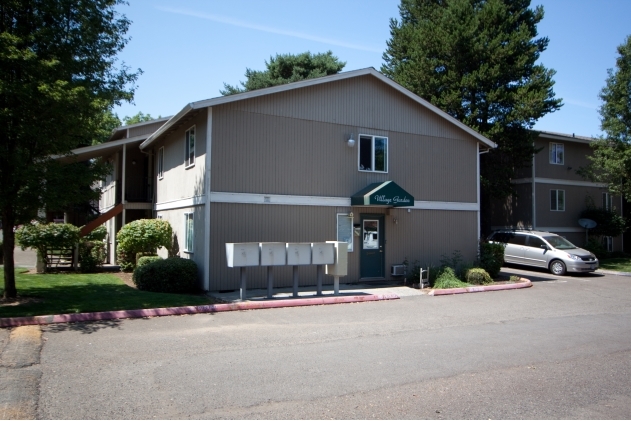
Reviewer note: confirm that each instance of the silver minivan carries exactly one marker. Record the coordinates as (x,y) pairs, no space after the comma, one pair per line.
(545,250)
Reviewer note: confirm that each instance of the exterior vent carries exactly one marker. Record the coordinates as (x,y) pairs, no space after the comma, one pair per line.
(397,270)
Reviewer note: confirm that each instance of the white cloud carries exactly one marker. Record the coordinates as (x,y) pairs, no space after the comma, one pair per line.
(256,27)
(580,104)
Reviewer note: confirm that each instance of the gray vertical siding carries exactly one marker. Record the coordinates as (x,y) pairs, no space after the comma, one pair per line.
(575,157)
(256,153)
(361,101)
(419,235)
(144,129)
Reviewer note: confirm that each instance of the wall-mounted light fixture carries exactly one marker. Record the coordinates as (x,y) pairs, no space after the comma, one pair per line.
(395,220)
(350,142)
(133,162)
(350,215)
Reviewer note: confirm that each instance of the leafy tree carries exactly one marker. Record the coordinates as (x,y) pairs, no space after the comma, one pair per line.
(138,118)
(287,68)
(476,60)
(611,160)
(58,80)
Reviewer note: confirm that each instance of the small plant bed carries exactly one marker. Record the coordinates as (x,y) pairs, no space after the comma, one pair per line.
(63,293)
(620,264)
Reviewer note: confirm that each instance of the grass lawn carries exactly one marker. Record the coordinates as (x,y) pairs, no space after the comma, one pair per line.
(44,294)
(622,264)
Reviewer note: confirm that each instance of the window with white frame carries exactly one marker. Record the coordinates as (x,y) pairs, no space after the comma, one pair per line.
(189,229)
(161,163)
(373,153)
(607,201)
(189,153)
(557,153)
(557,200)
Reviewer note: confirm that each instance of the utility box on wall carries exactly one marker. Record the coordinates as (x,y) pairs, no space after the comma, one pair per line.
(298,254)
(273,254)
(242,254)
(322,253)
(340,267)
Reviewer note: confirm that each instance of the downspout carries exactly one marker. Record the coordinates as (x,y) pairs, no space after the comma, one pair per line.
(207,254)
(478,189)
(124,183)
(534,203)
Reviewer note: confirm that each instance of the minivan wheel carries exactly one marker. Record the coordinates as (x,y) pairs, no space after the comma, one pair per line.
(557,267)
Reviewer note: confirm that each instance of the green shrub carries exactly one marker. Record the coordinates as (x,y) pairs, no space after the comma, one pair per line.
(478,276)
(173,275)
(491,258)
(91,256)
(515,278)
(448,279)
(143,235)
(145,260)
(1,253)
(595,246)
(97,234)
(47,236)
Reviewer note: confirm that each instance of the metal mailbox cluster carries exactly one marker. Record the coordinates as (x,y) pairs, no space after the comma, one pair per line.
(333,254)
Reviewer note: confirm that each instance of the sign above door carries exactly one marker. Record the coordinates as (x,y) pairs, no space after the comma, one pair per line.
(385,194)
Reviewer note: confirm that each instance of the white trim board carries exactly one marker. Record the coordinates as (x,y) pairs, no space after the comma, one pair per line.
(181,203)
(558,181)
(290,200)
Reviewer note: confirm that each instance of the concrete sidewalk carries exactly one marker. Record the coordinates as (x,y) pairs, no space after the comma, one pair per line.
(283,293)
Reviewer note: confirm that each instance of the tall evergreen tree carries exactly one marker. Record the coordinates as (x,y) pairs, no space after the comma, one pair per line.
(611,161)
(476,60)
(58,81)
(287,68)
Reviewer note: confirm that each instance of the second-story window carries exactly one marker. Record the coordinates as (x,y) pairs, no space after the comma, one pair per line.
(607,201)
(373,153)
(557,200)
(189,154)
(161,162)
(557,153)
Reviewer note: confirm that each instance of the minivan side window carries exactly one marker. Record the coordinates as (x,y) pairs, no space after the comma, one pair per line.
(519,240)
(535,242)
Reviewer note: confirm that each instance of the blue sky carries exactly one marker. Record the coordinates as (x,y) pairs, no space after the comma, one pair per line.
(187,49)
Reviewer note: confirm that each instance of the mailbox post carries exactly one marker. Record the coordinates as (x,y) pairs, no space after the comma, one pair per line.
(298,254)
(272,254)
(242,255)
(321,254)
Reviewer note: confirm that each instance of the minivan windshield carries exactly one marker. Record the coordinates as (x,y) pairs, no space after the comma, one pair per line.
(559,242)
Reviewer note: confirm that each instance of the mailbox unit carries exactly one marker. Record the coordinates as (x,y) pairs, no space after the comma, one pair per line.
(242,254)
(322,253)
(340,267)
(273,254)
(298,254)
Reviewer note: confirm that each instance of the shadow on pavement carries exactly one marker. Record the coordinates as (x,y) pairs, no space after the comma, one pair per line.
(543,275)
(83,327)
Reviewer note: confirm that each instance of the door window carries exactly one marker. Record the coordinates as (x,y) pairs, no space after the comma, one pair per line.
(371,234)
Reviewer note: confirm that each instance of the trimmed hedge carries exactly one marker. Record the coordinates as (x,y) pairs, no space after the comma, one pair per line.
(478,276)
(143,235)
(492,258)
(145,260)
(173,275)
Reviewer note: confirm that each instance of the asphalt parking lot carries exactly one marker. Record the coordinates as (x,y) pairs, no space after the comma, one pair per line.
(560,349)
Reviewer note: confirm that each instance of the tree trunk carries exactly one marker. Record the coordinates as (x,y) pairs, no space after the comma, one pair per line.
(8,245)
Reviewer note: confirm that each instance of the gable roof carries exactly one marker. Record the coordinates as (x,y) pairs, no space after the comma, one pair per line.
(193,106)
(565,137)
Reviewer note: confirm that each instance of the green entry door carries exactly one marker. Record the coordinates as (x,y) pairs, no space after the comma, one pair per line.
(372,253)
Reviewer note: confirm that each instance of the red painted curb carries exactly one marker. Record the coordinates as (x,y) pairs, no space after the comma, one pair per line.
(172,311)
(522,283)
